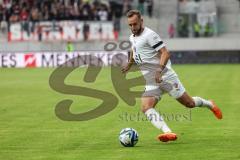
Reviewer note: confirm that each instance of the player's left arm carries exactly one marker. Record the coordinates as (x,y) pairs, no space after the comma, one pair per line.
(164,56)
(158,45)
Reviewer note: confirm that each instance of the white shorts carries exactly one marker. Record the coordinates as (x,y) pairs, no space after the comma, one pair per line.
(172,86)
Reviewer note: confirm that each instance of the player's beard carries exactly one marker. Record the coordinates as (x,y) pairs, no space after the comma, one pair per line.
(138,31)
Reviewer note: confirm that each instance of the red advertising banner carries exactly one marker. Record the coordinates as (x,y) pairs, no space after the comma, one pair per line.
(56,59)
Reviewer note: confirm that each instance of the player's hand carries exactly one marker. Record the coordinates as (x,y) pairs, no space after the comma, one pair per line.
(158,75)
(125,68)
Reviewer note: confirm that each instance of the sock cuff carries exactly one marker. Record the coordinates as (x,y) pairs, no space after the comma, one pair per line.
(198,102)
(150,111)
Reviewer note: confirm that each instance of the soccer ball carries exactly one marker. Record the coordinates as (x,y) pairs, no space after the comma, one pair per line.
(128,137)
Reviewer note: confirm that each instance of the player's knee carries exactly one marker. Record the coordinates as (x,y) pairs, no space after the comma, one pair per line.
(190,104)
(145,108)
(147,103)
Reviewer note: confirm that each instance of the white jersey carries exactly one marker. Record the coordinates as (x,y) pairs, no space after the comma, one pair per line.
(145,49)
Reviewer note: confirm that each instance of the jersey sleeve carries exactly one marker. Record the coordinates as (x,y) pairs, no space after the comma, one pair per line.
(155,41)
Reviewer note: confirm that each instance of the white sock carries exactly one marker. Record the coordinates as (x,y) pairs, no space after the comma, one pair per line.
(157,120)
(200,102)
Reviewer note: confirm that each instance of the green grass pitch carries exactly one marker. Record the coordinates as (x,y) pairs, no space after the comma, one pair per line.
(29,129)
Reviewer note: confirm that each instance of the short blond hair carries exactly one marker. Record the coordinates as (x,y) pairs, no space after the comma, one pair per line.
(134,12)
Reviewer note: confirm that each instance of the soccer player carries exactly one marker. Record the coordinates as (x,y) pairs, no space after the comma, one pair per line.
(149,52)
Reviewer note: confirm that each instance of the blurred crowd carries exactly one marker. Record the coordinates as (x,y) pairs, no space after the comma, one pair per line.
(26,11)
(43,10)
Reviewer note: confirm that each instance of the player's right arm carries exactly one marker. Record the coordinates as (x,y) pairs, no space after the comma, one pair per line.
(129,64)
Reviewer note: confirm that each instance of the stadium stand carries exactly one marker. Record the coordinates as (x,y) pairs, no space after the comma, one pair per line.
(163,19)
